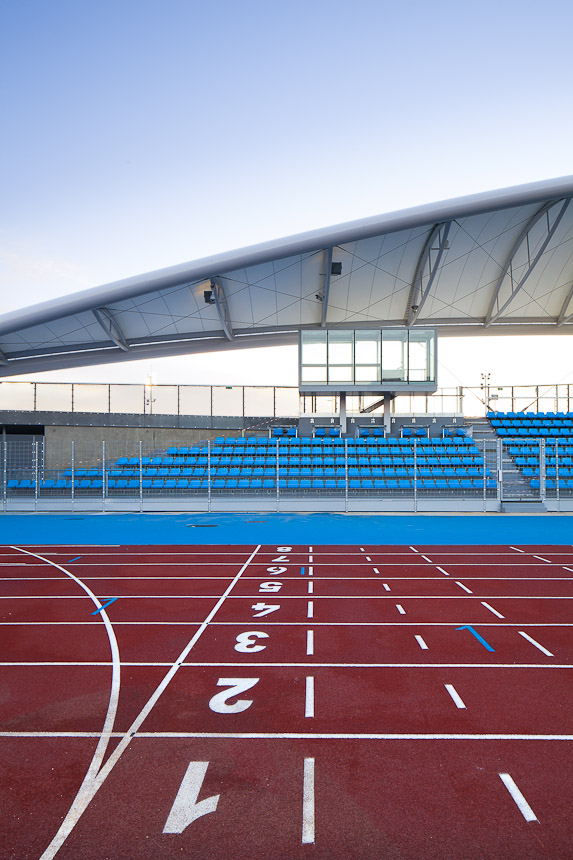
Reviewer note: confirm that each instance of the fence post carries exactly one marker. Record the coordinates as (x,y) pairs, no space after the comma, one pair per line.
(140,476)
(103,470)
(36,475)
(346,475)
(73,474)
(5,474)
(277,473)
(209,475)
(485,477)
(558,495)
(415,476)
(542,485)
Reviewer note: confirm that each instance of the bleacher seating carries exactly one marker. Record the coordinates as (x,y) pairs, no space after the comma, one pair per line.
(370,463)
(522,433)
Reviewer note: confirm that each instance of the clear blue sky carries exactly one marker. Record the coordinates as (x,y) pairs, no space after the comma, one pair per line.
(137,135)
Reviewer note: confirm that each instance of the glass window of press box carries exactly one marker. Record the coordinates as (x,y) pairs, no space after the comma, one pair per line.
(367,357)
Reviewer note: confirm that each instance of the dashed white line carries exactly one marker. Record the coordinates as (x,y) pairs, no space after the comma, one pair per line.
(310,558)
(518,797)
(570,569)
(308,802)
(441,569)
(362,549)
(413,548)
(309,697)
(368,558)
(533,642)
(491,609)
(386,586)
(425,557)
(375,569)
(421,643)
(400,609)
(310,609)
(458,701)
(310,587)
(516,549)
(311,571)
(465,588)
(540,557)
(310,642)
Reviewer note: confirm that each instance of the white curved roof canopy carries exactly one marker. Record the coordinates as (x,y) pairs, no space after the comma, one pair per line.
(498,262)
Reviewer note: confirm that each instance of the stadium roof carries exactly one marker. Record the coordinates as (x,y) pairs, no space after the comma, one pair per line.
(497,262)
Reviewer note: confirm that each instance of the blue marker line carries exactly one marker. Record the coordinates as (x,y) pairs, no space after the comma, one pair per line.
(74,559)
(477,636)
(302,571)
(113,599)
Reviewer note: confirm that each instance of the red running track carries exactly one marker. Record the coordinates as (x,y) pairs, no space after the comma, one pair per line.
(274,702)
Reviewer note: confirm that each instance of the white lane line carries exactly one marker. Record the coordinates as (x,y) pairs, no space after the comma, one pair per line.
(309,697)
(441,569)
(310,642)
(298,736)
(210,665)
(375,569)
(86,789)
(542,559)
(519,799)
(368,558)
(310,609)
(362,549)
(310,549)
(517,550)
(425,557)
(311,571)
(491,609)
(465,588)
(413,548)
(458,701)
(400,609)
(308,802)
(385,586)
(83,799)
(533,642)
(570,569)
(421,642)
(310,587)
(310,558)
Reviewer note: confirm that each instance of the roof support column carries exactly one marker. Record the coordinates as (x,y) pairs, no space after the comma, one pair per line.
(111,327)
(427,269)
(222,306)
(327,277)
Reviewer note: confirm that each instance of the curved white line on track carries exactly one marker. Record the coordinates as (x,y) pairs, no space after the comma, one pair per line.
(85,792)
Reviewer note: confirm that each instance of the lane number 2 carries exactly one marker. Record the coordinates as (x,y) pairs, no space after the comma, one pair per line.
(220,701)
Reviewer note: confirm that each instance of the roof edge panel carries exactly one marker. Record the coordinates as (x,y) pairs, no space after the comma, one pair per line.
(315,240)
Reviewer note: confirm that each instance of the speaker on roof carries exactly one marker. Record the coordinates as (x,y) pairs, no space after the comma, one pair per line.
(336,268)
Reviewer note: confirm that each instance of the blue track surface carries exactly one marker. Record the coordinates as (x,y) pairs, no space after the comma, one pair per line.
(319,528)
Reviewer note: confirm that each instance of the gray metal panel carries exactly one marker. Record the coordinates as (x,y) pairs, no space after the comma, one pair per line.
(273,290)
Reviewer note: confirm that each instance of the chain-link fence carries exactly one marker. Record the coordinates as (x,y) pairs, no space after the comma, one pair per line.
(45,474)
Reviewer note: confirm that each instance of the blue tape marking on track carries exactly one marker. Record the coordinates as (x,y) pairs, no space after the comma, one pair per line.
(302,571)
(477,636)
(77,558)
(113,599)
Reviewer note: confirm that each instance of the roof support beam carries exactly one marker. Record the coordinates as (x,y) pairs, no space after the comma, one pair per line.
(427,268)
(111,327)
(222,306)
(493,315)
(3,359)
(327,277)
(564,317)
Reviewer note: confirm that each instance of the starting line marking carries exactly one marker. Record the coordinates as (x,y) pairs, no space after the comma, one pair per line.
(518,797)
(308,802)
(441,569)
(533,642)
(491,609)
(309,697)
(458,701)
(421,642)
(542,559)
(386,586)
(400,609)
(465,588)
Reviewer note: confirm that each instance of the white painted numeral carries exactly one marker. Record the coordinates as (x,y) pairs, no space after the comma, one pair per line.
(284,548)
(264,608)
(237,686)
(281,558)
(185,809)
(247,642)
(276,570)
(270,586)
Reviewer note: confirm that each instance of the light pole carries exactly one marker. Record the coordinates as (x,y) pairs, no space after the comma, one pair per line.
(485,378)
